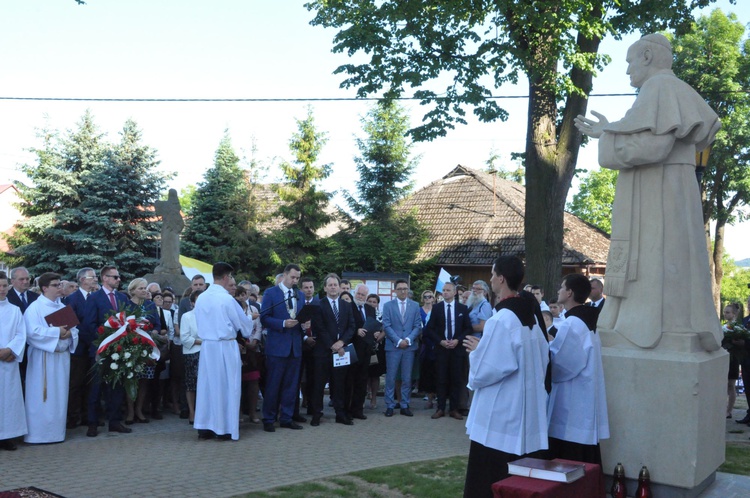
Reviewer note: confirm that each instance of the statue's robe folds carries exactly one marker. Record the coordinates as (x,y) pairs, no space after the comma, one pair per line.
(657,278)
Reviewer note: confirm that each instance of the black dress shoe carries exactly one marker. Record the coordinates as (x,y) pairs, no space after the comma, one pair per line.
(291,425)
(299,418)
(360,416)
(224,437)
(407,412)
(340,419)
(745,420)
(206,434)
(8,445)
(118,427)
(269,428)
(315,421)
(93,431)
(389,412)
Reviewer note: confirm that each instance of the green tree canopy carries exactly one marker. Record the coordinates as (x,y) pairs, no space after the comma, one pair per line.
(86,203)
(452,55)
(220,225)
(715,60)
(303,204)
(595,197)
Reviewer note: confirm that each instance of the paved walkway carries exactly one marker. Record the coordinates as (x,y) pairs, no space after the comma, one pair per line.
(165,458)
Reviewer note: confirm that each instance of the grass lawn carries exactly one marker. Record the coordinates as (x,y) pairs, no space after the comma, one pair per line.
(432,479)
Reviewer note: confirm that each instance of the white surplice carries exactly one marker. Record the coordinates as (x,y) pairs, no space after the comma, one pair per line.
(578,402)
(48,365)
(506,373)
(217,405)
(13,336)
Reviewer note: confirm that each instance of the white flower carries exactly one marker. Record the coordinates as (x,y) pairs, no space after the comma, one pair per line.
(129,364)
(126,355)
(113,366)
(115,356)
(130,375)
(145,353)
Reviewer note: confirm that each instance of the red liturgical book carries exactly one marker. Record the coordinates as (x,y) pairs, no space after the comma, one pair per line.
(64,317)
(549,470)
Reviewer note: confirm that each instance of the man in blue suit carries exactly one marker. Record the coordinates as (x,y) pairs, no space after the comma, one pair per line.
(402,324)
(80,361)
(283,349)
(100,304)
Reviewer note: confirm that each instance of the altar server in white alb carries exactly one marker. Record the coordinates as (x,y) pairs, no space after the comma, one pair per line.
(48,372)
(508,415)
(12,344)
(578,403)
(219,317)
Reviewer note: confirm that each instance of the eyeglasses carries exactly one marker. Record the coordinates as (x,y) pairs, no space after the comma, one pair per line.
(116,277)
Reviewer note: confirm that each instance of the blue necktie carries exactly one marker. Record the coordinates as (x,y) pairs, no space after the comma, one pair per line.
(449,324)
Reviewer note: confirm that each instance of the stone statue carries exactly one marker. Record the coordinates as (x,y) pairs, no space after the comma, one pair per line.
(171,226)
(658,282)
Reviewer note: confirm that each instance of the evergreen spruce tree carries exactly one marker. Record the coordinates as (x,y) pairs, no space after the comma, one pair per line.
(117,223)
(303,204)
(219,225)
(385,239)
(55,185)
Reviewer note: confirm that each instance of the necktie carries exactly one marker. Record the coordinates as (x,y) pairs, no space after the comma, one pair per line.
(362,310)
(112,301)
(23,299)
(449,323)
(403,308)
(335,310)
(290,305)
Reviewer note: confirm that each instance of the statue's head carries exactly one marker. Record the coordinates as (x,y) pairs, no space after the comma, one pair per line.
(647,56)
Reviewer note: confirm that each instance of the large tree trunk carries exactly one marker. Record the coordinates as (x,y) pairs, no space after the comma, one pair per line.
(551,156)
(717,264)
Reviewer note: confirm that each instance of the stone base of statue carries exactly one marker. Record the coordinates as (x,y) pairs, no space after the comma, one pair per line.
(666,411)
(176,281)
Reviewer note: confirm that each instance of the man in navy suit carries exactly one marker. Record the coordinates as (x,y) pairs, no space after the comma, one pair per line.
(99,305)
(402,324)
(448,326)
(80,361)
(19,294)
(283,349)
(356,378)
(307,285)
(333,328)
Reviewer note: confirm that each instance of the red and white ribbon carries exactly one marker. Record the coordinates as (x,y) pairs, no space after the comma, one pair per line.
(121,320)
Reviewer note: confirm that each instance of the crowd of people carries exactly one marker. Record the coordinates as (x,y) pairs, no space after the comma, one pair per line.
(501,355)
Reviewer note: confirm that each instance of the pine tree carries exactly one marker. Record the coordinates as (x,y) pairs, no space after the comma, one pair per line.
(220,222)
(385,239)
(117,223)
(55,185)
(303,204)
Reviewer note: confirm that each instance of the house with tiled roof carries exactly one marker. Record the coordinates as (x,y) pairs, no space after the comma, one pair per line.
(472,216)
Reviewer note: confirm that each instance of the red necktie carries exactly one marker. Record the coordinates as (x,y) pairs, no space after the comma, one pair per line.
(112,301)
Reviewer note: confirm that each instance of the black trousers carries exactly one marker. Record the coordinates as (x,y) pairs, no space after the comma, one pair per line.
(449,370)
(356,385)
(336,378)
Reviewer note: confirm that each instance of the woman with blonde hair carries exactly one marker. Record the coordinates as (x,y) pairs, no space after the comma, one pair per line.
(142,306)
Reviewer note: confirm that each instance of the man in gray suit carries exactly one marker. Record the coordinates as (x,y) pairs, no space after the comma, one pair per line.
(402,323)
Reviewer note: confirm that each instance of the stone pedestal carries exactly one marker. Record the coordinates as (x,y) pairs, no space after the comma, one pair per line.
(666,411)
(178,283)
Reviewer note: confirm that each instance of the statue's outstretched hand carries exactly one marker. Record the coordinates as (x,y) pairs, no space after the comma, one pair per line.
(590,127)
